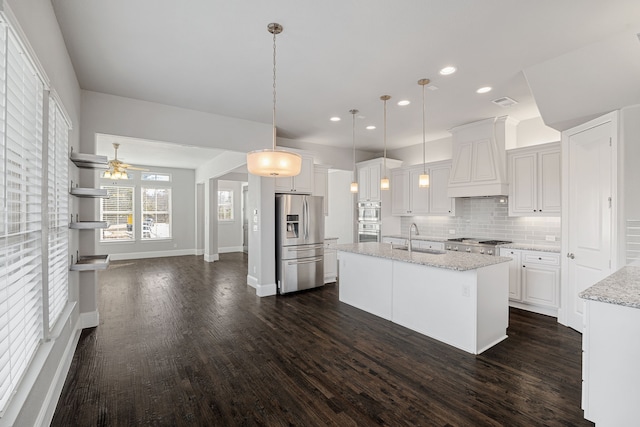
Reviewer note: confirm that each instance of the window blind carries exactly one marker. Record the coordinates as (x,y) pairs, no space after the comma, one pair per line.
(117,210)
(156,213)
(21,98)
(58,207)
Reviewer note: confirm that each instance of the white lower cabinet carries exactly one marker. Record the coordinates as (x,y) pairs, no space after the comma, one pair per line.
(330,260)
(534,280)
(426,244)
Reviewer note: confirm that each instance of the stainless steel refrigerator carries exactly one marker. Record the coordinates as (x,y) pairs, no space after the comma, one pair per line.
(299,242)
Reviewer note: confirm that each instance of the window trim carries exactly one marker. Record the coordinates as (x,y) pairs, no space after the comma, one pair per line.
(232,204)
(169,189)
(132,239)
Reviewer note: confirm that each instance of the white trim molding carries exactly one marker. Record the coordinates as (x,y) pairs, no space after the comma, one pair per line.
(230,249)
(90,319)
(266,290)
(211,257)
(152,254)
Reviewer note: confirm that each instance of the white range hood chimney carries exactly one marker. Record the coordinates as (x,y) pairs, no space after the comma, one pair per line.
(479,167)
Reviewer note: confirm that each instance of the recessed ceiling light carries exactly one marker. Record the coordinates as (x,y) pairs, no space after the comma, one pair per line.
(404,102)
(335,119)
(484,89)
(450,69)
(370,127)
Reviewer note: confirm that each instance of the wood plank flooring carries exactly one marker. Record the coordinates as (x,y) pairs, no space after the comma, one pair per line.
(182,342)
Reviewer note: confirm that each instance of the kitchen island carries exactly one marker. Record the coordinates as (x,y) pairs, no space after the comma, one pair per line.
(458,298)
(611,349)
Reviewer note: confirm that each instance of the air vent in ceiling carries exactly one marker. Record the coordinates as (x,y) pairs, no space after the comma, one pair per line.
(505,101)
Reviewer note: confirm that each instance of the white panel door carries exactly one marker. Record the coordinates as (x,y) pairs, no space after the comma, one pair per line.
(589,213)
(419,196)
(439,200)
(523,197)
(400,200)
(549,168)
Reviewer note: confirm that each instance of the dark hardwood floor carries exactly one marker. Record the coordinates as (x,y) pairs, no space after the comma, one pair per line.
(185,342)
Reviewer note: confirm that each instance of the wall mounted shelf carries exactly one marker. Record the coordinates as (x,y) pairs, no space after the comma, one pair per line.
(88,225)
(90,263)
(89,192)
(89,161)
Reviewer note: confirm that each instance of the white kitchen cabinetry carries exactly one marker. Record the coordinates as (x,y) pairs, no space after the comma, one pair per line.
(427,244)
(369,174)
(534,174)
(330,260)
(409,199)
(534,280)
(321,185)
(301,183)
(439,201)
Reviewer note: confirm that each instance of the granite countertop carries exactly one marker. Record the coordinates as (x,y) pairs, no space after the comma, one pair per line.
(531,247)
(459,261)
(620,288)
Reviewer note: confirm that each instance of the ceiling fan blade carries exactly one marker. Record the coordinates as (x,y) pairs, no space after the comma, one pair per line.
(133,168)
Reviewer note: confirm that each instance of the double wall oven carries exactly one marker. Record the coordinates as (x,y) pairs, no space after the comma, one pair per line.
(369,222)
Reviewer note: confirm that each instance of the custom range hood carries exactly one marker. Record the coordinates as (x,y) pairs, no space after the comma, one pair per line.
(479,167)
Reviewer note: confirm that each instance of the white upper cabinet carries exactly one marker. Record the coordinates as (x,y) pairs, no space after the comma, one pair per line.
(369,174)
(409,199)
(321,185)
(534,173)
(439,201)
(301,183)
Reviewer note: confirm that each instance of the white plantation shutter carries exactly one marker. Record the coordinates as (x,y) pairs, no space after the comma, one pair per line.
(117,211)
(21,127)
(58,201)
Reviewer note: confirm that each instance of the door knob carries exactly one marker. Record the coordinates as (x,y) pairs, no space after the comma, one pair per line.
(570,255)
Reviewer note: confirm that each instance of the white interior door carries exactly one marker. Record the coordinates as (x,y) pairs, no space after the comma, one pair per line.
(589,217)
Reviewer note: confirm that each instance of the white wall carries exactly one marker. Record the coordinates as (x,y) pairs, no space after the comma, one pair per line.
(183,210)
(36,398)
(533,132)
(341,220)
(230,232)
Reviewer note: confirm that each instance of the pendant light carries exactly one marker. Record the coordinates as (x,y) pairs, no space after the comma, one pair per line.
(384,182)
(423,180)
(273,162)
(354,183)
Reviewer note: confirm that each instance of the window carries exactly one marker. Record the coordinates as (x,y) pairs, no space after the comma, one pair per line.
(21,176)
(117,210)
(156,213)
(58,201)
(152,176)
(225,205)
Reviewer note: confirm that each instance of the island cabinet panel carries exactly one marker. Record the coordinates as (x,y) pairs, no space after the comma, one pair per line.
(436,304)
(369,283)
(610,371)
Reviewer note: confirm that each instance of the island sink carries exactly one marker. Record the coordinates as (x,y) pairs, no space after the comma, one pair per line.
(421,250)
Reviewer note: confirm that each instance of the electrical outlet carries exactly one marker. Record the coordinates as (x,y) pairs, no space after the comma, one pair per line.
(466,291)
(452,231)
(551,238)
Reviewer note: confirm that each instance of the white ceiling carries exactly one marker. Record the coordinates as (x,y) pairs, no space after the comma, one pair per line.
(143,152)
(333,55)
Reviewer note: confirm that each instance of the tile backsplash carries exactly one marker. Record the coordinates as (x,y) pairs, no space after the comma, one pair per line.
(487,217)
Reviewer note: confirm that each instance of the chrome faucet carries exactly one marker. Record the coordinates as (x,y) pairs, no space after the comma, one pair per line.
(413,225)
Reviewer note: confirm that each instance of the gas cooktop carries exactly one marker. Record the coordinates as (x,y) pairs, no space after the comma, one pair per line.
(472,240)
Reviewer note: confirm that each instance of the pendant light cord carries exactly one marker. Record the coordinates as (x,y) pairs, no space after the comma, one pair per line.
(274,90)
(424,140)
(353,134)
(385,138)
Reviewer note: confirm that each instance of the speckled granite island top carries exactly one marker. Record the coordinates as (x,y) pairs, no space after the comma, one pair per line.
(621,288)
(451,260)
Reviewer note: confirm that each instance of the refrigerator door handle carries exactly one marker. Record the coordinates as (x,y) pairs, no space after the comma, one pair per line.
(306,248)
(305,218)
(307,261)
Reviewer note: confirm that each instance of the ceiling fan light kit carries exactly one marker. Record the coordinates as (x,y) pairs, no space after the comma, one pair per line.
(118,169)
(273,162)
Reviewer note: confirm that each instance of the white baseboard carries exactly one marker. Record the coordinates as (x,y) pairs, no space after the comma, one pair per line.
(252,281)
(266,290)
(211,257)
(535,309)
(199,252)
(89,320)
(152,254)
(229,249)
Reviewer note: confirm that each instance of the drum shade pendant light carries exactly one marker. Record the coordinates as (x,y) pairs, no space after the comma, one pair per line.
(384,182)
(423,180)
(354,183)
(273,162)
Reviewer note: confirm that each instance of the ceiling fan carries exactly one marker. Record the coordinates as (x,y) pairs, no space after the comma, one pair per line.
(117,168)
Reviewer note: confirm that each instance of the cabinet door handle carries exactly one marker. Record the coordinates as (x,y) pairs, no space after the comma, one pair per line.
(524,266)
(570,255)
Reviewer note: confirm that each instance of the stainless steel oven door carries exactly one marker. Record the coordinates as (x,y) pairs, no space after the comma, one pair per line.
(369,212)
(368,232)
